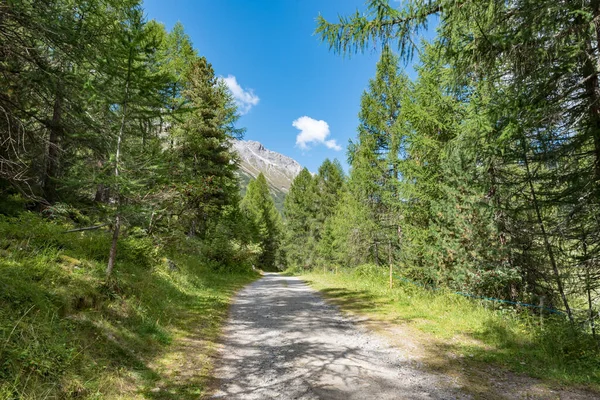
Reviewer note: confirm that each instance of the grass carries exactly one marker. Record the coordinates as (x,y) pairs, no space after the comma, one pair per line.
(67,332)
(469,330)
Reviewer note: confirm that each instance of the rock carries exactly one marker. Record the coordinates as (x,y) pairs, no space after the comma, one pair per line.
(279,170)
(170,264)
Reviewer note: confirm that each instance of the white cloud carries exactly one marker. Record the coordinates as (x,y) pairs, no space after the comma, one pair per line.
(313,131)
(245,99)
(332,144)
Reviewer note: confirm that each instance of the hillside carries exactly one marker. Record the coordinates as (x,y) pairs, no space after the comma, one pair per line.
(279,170)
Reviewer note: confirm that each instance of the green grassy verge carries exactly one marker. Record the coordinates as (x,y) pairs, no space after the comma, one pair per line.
(65,332)
(454,325)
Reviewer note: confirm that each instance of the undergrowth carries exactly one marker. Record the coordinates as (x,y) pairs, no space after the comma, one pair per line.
(67,332)
(544,346)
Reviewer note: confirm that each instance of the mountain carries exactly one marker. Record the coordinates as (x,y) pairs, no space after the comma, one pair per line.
(279,170)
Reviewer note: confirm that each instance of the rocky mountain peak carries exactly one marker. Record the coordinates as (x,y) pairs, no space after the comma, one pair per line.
(279,170)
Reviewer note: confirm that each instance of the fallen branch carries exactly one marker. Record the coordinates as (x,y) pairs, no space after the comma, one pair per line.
(89,228)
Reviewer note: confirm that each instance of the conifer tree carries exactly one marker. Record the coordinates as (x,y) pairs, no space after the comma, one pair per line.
(330,182)
(375,156)
(204,163)
(259,205)
(543,108)
(312,200)
(138,92)
(106,111)
(299,210)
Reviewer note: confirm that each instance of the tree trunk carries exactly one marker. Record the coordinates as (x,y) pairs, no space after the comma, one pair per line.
(547,244)
(588,288)
(113,247)
(192,231)
(102,193)
(391,266)
(591,87)
(53,154)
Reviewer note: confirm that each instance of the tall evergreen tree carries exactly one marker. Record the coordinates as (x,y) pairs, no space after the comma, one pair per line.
(259,205)
(299,212)
(51,72)
(543,129)
(204,163)
(312,200)
(137,97)
(330,183)
(375,156)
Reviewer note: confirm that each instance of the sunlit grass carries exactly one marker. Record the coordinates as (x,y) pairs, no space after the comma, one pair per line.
(66,332)
(547,348)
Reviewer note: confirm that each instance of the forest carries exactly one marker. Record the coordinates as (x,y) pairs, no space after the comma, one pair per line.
(479,177)
(119,201)
(483,173)
(121,218)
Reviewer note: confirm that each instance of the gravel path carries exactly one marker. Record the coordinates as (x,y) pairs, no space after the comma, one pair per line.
(283,341)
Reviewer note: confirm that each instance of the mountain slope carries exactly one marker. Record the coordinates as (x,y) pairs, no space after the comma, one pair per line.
(279,170)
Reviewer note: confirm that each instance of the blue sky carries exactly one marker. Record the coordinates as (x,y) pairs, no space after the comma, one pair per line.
(298,98)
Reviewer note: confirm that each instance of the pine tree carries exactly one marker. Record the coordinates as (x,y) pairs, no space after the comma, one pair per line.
(312,200)
(50,94)
(259,205)
(138,94)
(204,163)
(329,182)
(544,120)
(299,212)
(374,157)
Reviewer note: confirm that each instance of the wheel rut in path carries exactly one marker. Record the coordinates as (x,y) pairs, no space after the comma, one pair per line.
(283,341)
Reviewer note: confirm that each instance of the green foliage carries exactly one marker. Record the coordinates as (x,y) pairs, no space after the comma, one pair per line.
(499,144)
(202,163)
(364,225)
(487,333)
(308,208)
(299,212)
(66,332)
(481,175)
(124,132)
(260,209)
(131,126)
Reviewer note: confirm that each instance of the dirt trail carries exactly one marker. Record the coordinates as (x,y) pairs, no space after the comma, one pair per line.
(282,341)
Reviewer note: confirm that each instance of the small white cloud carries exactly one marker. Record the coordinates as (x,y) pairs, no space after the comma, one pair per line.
(313,131)
(332,144)
(245,99)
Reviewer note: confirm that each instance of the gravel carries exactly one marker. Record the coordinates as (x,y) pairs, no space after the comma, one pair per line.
(282,341)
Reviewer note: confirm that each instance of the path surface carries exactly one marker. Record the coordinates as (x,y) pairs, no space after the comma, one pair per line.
(283,341)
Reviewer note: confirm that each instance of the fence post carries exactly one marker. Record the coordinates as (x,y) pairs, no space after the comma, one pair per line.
(542,312)
(391,266)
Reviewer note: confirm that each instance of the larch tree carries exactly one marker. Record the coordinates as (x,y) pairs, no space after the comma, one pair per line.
(374,157)
(534,65)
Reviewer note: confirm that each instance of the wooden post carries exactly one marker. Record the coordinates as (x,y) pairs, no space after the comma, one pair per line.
(542,311)
(391,266)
